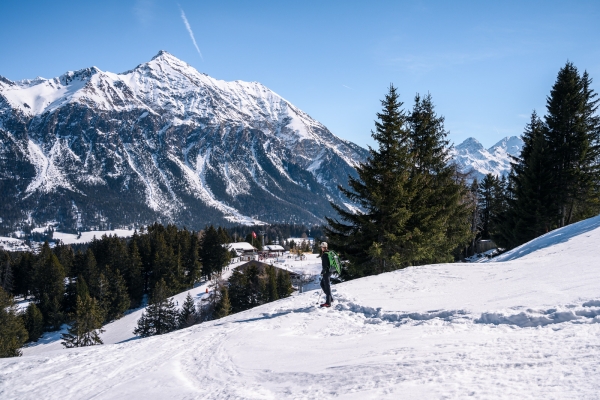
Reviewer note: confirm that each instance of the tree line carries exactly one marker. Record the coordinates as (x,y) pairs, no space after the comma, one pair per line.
(88,289)
(417,208)
(556,179)
(244,290)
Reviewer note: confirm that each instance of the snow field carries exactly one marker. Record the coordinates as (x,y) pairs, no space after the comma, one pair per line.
(523,328)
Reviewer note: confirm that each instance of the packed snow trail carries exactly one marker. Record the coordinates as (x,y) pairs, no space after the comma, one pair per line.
(525,328)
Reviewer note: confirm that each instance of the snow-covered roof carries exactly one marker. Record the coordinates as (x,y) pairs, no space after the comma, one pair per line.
(274,247)
(241,246)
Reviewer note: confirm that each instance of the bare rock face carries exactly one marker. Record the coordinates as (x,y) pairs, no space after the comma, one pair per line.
(163,142)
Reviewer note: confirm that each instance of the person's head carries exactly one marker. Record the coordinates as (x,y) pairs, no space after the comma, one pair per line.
(323,246)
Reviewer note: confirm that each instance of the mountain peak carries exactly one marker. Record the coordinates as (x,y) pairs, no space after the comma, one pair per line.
(162,54)
(165,56)
(470,143)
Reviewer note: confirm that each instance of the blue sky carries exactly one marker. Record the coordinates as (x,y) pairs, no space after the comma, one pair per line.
(487,64)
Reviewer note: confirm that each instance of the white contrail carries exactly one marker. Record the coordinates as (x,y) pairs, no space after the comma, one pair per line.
(189,29)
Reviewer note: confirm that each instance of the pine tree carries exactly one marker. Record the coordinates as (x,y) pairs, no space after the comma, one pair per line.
(119,298)
(160,316)
(213,254)
(530,210)
(489,192)
(12,330)
(6,272)
(193,267)
(440,213)
(135,280)
(164,263)
(284,284)
(48,287)
(86,327)
(238,292)
(573,138)
(23,274)
(188,315)
(271,293)
(375,240)
(224,306)
(34,322)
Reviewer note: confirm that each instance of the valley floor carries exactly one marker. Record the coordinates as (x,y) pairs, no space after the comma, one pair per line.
(526,327)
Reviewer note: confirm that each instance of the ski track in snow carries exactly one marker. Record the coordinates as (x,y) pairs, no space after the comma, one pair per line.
(524,328)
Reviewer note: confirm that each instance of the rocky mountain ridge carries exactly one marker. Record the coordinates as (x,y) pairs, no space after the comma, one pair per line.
(471,157)
(164,142)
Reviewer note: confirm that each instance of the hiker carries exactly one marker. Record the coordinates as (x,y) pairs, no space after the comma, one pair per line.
(325,275)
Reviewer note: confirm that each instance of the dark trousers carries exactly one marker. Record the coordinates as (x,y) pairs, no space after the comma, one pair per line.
(326,286)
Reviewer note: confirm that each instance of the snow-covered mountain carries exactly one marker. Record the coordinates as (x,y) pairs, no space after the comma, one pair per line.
(472,157)
(526,325)
(163,142)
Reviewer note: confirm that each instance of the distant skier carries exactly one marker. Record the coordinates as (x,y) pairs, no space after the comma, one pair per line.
(325,275)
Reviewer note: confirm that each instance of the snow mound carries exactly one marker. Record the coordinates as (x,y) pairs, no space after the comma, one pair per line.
(526,327)
(580,231)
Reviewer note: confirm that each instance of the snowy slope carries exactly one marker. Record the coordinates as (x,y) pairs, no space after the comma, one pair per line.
(471,156)
(121,330)
(527,327)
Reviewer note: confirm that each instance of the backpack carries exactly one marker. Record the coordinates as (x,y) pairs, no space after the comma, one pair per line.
(334,262)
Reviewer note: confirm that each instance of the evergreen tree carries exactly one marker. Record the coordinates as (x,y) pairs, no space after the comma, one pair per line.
(118,297)
(284,284)
(86,327)
(489,197)
(529,210)
(135,279)
(34,322)
(89,271)
(23,274)
(375,240)
(160,316)
(414,203)
(164,263)
(188,315)
(224,306)
(439,211)
(238,292)
(12,330)
(573,140)
(271,292)
(193,267)
(48,287)
(213,254)
(6,272)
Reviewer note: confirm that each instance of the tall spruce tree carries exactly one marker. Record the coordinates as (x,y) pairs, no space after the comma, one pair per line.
(375,240)
(86,327)
(12,330)
(238,292)
(489,194)
(188,315)
(440,212)
(34,322)
(223,308)
(160,316)
(271,292)
(49,287)
(284,284)
(573,138)
(213,254)
(135,279)
(530,211)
